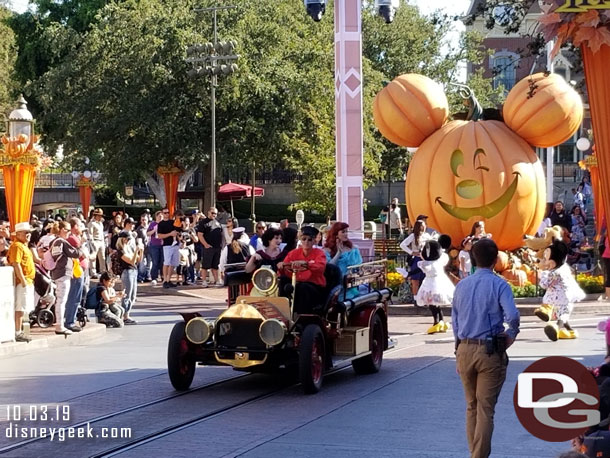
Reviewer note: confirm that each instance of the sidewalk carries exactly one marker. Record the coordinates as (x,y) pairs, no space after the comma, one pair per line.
(46,338)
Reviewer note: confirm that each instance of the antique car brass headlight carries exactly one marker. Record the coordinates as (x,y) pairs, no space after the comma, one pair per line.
(272,331)
(198,330)
(265,281)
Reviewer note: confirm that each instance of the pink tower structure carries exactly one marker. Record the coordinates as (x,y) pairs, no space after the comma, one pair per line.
(348,114)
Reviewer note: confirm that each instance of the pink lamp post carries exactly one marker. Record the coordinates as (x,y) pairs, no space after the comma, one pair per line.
(348,103)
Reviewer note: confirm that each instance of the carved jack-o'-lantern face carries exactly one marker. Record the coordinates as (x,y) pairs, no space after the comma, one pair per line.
(472,189)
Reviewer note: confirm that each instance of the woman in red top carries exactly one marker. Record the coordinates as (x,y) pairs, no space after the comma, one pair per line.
(309,291)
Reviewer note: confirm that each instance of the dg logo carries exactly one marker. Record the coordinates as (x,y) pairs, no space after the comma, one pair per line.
(556,399)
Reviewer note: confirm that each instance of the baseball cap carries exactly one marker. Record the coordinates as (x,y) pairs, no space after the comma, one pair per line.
(422,217)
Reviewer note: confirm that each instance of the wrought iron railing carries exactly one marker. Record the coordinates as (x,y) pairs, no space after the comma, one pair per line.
(52,180)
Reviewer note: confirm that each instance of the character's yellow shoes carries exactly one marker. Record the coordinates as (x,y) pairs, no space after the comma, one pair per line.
(446,327)
(551,331)
(565,334)
(438,327)
(544,312)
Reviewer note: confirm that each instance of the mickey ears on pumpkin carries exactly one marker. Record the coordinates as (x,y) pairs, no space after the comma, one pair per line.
(543,109)
(409,109)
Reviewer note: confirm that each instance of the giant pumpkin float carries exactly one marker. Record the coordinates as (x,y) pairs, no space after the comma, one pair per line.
(477,169)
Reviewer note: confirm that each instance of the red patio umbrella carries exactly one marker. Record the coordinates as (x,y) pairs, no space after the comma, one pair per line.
(230,191)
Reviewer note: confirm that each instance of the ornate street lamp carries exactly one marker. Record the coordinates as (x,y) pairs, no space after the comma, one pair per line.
(20,158)
(212,59)
(85,182)
(348,104)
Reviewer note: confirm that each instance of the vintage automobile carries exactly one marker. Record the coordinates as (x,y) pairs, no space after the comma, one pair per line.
(260,331)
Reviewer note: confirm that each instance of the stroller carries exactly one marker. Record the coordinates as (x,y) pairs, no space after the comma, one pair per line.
(44,313)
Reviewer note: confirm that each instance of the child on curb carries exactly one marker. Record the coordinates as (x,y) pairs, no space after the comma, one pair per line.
(561,292)
(436,289)
(109,311)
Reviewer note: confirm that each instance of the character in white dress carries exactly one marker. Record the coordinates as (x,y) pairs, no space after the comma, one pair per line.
(562,291)
(437,289)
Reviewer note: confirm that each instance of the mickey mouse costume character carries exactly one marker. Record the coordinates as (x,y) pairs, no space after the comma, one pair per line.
(561,292)
(436,289)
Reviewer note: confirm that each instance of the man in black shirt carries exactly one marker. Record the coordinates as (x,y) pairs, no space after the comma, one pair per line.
(209,233)
(560,217)
(167,232)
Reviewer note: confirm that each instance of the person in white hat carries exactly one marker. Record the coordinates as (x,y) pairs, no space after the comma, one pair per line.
(237,251)
(20,257)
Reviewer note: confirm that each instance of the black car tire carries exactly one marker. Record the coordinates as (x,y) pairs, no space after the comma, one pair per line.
(371,364)
(180,366)
(45,318)
(311,359)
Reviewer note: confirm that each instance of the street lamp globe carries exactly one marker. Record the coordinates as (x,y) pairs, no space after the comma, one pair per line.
(315,9)
(583,144)
(20,121)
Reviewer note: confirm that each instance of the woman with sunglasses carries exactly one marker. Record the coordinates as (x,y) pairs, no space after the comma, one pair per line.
(309,263)
(257,239)
(341,252)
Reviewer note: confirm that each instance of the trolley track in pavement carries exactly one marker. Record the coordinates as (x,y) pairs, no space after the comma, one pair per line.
(126,416)
(117,450)
(97,419)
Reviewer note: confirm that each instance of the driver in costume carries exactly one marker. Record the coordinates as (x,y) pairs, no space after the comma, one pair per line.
(309,290)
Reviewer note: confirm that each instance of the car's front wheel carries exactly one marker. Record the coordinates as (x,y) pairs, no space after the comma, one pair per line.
(180,364)
(311,359)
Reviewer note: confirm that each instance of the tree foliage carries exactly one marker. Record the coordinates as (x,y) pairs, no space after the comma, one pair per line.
(8,54)
(109,81)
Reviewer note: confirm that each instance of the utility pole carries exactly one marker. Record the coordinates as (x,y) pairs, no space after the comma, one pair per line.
(207,59)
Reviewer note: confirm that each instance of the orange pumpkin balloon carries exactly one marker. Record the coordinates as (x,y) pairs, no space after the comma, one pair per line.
(543,109)
(515,276)
(477,170)
(502,263)
(409,109)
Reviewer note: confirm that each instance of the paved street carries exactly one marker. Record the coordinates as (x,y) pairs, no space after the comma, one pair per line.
(413,407)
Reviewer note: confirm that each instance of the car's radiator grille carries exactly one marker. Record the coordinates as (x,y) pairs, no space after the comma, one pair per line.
(239,333)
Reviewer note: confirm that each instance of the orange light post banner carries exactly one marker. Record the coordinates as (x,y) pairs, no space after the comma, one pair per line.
(85,187)
(598,87)
(20,158)
(171,176)
(587,25)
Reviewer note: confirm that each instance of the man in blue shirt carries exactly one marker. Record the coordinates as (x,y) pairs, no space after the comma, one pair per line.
(482,303)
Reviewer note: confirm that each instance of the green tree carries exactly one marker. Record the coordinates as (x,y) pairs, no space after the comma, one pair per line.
(8,54)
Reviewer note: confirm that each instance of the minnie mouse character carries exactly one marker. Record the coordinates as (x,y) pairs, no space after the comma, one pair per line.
(561,292)
(436,289)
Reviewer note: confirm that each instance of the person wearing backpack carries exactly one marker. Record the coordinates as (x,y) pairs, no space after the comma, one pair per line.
(62,255)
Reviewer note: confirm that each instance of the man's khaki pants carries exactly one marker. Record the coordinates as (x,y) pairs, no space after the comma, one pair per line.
(100,255)
(482,376)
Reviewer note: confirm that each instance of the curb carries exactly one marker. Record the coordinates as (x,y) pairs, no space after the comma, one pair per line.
(48,339)
(525,309)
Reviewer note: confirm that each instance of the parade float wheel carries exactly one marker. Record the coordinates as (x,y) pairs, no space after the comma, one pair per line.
(371,364)
(45,318)
(180,365)
(311,359)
